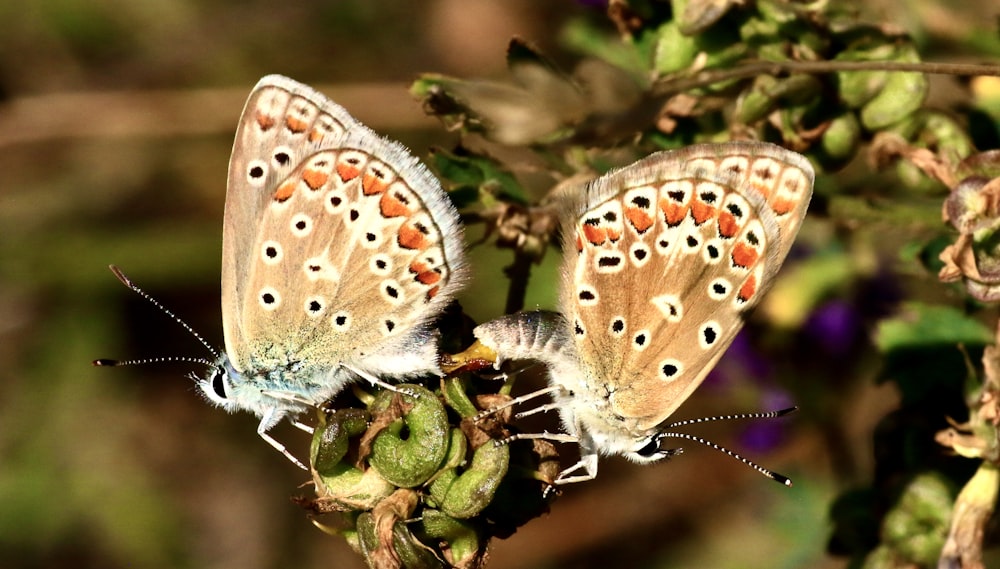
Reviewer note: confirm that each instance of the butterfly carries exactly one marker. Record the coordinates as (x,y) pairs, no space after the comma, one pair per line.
(339,248)
(663,260)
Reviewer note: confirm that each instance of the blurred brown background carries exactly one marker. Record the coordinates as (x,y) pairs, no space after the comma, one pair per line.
(116,122)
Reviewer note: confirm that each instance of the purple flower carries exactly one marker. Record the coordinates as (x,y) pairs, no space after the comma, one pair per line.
(834,326)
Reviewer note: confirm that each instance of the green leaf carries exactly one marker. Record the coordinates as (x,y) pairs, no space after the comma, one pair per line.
(920,325)
(468,176)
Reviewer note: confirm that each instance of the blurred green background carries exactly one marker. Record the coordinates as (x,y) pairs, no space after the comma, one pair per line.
(116,123)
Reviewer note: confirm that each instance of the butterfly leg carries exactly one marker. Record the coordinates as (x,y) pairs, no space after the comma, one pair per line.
(288,396)
(376,381)
(266,422)
(291,398)
(539,409)
(281,448)
(547,436)
(587,463)
(518,401)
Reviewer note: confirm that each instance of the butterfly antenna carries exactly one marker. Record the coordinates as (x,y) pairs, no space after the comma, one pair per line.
(769,473)
(168,359)
(128,282)
(738,416)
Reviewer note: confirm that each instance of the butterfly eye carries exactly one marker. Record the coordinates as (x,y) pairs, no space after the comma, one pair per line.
(651,450)
(219,384)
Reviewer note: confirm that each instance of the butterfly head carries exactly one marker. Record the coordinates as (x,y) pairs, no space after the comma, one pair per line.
(605,433)
(226,387)
(219,387)
(641,449)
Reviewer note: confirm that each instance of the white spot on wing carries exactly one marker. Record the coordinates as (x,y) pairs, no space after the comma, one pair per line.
(608,262)
(617,326)
(271,253)
(670,306)
(315,306)
(269,298)
(587,295)
(380,264)
(641,339)
(391,292)
(341,321)
(639,254)
(301,225)
(317,268)
(713,251)
(670,369)
(708,334)
(719,289)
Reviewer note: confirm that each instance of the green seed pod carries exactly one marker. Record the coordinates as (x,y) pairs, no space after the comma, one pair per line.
(331,438)
(858,87)
(367,537)
(781,13)
(465,495)
(769,93)
(413,553)
(345,487)
(463,544)
(721,52)
(385,540)
(909,129)
(914,178)
(917,525)
(453,390)
(841,138)
(757,102)
(410,461)
(406,551)
(339,484)
(951,138)
(673,51)
(797,89)
(902,95)
(758,31)
(456,450)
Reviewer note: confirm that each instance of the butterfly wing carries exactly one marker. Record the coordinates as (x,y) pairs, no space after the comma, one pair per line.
(338,244)
(663,260)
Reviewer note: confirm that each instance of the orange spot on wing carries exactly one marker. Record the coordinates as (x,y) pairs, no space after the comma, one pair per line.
(315,135)
(285,191)
(264,121)
(748,289)
(673,212)
(314,178)
(347,171)
(389,206)
(727,225)
(372,184)
(639,219)
(411,238)
(782,206)
(579,243)
(744,255)
(701,212)
(432,293)
(296,125)
(594,235)
(613,235)
(425,275)
(763,189)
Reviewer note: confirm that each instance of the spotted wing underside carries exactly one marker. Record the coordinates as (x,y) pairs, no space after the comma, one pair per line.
(665,257)
(337,242)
